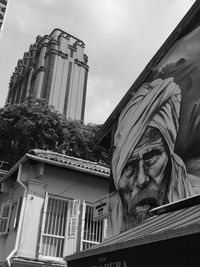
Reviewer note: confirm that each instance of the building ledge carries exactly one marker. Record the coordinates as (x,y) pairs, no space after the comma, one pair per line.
(23,261)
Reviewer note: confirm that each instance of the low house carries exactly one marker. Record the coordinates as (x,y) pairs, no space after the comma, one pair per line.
(46,208)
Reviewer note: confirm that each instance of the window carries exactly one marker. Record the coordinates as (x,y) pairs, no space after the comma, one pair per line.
(61,225)
(54,225)
(93,232)
(5,217)
(71,53)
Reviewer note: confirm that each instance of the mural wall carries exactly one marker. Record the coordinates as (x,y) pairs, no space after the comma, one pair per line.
(157,141)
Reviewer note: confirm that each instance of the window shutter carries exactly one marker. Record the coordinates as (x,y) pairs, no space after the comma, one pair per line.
(105,229)
(73,217)
(44,211)
(5,217)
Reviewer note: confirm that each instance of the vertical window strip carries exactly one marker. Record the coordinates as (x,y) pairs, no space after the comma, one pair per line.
(84,95)
(24,89)
(73,218)
(19,89)
(67,88)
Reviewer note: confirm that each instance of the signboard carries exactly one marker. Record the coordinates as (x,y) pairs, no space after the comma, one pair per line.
(101,208)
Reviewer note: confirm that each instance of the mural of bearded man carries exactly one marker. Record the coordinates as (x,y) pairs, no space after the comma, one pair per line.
(146,171)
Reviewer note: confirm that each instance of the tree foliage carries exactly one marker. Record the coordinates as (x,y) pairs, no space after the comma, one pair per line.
(35,124)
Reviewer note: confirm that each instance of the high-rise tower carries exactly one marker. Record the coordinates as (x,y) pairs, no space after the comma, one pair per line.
(55,68)
(3,5)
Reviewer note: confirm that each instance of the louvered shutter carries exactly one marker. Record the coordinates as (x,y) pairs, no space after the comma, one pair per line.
(5,217)
(44,212)
(72,227)
(105,228)
(73,218)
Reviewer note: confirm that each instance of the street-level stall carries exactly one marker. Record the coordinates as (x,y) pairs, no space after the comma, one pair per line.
(169,238)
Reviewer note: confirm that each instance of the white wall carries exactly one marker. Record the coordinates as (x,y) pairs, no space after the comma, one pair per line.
(60,182)
(73,184)
(7,242)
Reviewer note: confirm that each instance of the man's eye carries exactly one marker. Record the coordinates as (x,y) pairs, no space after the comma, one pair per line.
(152,156)
(129,169)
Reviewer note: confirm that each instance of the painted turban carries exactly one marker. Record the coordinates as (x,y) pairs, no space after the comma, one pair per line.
(157,105)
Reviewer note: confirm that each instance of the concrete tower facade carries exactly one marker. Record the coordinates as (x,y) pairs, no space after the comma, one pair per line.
(55,68)
(3,5)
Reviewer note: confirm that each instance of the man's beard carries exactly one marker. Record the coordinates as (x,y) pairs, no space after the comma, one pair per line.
(138,208)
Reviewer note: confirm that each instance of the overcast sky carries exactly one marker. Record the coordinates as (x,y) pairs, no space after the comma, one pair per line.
(121,36)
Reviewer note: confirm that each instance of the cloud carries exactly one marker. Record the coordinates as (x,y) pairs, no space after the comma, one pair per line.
(120,36)
(97,110)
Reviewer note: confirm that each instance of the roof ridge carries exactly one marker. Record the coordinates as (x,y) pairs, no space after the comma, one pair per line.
(73,161)
(36,151)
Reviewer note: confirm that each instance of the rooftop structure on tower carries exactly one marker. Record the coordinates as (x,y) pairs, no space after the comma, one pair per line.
(55,68)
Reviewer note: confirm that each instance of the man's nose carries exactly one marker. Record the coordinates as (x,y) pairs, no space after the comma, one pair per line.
(142,178)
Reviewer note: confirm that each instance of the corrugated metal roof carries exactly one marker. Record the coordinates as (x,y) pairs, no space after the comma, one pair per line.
(159,224)
(70,161)
(157,228)
(60,160)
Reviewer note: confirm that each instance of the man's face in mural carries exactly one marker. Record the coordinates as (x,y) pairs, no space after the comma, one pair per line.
(143,183)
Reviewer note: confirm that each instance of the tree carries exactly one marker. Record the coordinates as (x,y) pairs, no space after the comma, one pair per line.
(34,124)
(80,141)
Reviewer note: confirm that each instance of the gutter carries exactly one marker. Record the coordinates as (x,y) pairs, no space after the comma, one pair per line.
(8,259)
(13,169)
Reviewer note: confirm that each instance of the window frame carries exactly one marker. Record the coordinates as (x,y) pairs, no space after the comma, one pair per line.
(6,218)
(100,225)
(43,225)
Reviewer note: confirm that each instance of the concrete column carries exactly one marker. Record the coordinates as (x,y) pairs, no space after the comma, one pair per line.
(40,75)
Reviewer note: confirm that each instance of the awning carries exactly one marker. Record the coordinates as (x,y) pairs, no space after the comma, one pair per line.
(172,231)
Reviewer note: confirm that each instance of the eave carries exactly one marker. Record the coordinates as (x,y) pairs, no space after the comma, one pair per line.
(28,156)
